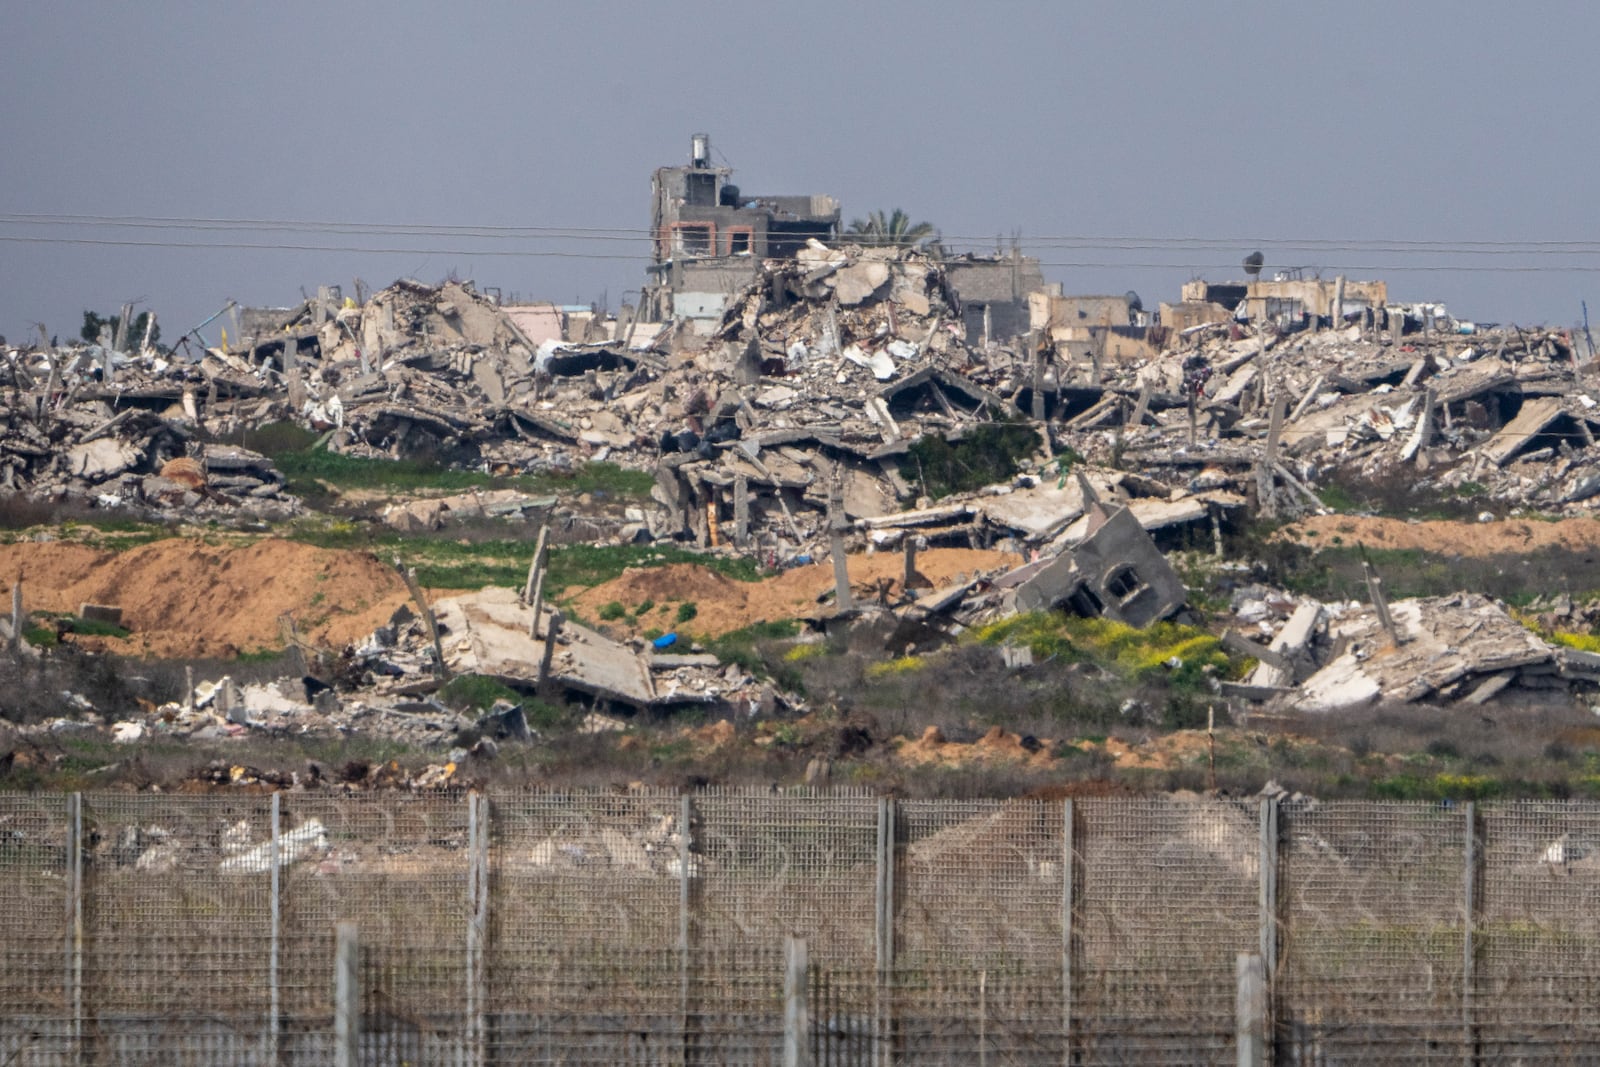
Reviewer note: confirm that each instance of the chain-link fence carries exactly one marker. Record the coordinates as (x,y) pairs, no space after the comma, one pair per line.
(640,927)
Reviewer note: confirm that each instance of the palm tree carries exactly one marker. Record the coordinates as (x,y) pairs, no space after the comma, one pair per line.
(894,231)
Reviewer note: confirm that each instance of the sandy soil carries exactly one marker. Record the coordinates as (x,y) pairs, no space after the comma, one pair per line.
(722,604)
(182,597)
(996,746)
(1476,539)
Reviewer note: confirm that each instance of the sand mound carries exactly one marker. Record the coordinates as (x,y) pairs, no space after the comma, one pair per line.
(996,746)
(722,604)
(182,597)
(1475,539)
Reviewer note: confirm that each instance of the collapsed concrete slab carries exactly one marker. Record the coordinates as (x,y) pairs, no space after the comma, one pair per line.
(1449,649)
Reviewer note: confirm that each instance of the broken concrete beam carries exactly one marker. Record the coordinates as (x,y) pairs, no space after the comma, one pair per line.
(922,517)
(409,574)
(1289,646)
(666,661)
(1243,646)
(858,281)
(1490,686)
(1536,415)
(1380,603)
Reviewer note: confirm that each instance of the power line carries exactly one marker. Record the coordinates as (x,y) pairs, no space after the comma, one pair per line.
(262,246)
(1469,247)
(1189,246)
(550,254)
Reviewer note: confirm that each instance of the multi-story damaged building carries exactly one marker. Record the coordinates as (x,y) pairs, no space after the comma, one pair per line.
(709,237)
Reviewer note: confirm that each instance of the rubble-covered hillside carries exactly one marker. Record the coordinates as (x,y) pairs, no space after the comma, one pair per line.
(837,413)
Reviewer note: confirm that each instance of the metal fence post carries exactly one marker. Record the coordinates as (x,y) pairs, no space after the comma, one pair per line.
(477,923)
(275,931)
(796,1017)
(1469,915)
(685,903)
(346,996)
(74,975)
(1069,869)
(1268,916)
(1250,1010)
(884,945)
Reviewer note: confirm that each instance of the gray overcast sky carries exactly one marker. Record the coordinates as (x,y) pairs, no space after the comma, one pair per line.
(1454,122)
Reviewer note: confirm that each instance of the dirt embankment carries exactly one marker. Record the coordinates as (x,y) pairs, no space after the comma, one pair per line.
(723,604)
(1475,539)
(183,598)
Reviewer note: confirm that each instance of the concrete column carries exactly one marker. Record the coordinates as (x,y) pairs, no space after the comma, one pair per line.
(1250,1011)
(796,1014)
(346,996)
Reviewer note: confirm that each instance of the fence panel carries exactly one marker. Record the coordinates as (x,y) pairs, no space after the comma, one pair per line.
(397,866)
(35,995)
(1169,898)
(1538,934)
(770,865)
(177,914)
(978,930)
(585,909)
(601,946)
(1371,955)
(979,882)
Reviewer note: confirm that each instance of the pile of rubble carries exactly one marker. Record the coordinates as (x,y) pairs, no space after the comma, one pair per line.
(388,684)
(1505,416)
(797,415)
(103,429)
(1463,649)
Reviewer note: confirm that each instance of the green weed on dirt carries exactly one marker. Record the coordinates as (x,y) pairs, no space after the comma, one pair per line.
(443,562)
(302,459)
(1184,655)
(987,454)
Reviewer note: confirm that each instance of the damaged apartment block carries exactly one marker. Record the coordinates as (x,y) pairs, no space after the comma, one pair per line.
(710,238)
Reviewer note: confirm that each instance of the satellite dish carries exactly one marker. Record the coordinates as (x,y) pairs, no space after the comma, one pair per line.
(1253,262)
(1134,303)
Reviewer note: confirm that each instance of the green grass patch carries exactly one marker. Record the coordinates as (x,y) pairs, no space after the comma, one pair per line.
(443,562)
(1437,787)
(40,636)
(1182,655)
(297,453)
(1580,642)
(743,647)
(1335,572)
(985,455)
(1336,497)
(47,624)
(476,691)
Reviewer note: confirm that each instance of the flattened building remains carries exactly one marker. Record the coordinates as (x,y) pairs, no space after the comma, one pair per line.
(776,378)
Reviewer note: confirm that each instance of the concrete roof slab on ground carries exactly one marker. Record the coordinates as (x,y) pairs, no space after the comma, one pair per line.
(488,633)
(1444,640)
